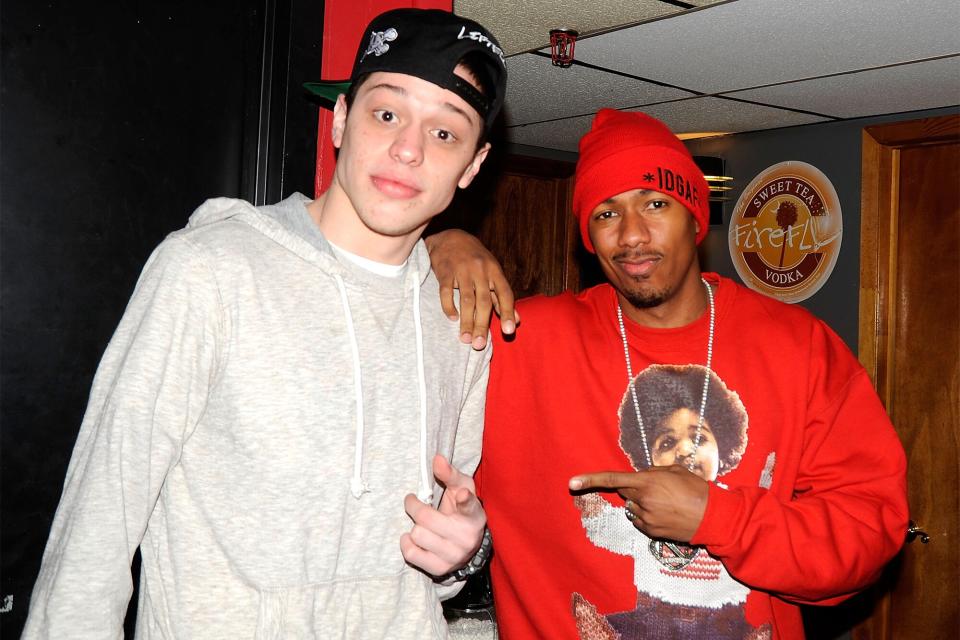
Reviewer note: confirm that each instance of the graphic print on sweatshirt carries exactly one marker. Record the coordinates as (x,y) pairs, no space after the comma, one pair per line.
(682,591)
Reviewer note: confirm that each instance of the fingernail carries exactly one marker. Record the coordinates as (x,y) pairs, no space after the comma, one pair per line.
(479,342)
(466,337)
(508,326)
(576,484)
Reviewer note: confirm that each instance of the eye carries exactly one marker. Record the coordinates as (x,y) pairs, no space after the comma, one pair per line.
(606,214)
(666,444)
(658,204)
(443,135)
(385,115)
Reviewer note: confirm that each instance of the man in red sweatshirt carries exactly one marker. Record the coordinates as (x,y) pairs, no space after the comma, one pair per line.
(621,508)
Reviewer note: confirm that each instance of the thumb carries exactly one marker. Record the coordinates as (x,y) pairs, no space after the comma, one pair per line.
(449,476)
(442,469)
(460,494)
(466,502)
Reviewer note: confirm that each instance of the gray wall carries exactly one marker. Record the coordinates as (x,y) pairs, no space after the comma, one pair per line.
(834,148)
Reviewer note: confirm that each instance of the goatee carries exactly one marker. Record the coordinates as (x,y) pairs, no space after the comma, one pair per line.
(646,299)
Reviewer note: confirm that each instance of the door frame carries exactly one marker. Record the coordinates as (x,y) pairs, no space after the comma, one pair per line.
(880,169)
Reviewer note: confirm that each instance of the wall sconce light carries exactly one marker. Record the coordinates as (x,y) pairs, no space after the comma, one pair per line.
(714,170)
(562,44)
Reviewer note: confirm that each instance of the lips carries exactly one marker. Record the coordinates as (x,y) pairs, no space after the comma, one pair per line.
(394,187)
(638,266)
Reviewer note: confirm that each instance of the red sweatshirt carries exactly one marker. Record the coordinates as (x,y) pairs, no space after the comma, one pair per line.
(807,509)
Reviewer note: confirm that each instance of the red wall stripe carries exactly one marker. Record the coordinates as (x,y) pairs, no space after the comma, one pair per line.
(343,21)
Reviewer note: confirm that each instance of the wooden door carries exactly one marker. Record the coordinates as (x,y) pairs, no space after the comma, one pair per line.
(910,344)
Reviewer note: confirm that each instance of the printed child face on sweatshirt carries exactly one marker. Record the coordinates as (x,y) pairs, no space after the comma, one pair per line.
(675,441)
(668,402)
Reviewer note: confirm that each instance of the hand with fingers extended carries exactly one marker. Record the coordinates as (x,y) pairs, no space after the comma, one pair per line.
(662,502)
(460,261)
(443,539)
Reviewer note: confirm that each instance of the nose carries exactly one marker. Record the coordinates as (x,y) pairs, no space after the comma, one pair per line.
(684,449)
(407,146)
(633,230)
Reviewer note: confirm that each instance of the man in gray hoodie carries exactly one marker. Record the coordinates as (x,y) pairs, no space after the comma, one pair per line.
(285,421)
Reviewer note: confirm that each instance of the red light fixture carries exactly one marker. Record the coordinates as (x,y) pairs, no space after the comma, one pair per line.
(562,43)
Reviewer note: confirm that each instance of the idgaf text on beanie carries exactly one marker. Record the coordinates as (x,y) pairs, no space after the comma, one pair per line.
(627,150)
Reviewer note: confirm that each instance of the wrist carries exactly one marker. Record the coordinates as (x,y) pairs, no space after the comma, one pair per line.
(478,560)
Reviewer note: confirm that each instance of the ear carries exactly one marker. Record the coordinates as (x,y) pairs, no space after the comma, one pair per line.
(339,121)
(471,171)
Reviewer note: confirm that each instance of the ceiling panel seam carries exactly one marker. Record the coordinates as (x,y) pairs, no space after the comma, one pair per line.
(843,73)
(696,95)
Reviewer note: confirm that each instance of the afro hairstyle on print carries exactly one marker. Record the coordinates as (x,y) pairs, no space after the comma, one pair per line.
(664,389)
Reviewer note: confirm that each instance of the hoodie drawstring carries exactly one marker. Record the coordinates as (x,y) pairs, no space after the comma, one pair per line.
(425,492)
(357,486)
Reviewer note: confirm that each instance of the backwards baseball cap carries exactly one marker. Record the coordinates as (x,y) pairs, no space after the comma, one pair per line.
(627,150)
(427,44)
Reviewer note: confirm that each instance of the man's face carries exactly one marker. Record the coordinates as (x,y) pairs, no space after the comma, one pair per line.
(674,440)
(646,244)
(404,149)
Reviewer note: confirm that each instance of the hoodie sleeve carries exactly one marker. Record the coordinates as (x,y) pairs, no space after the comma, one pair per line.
(847,510)
(147,396)
(466,447)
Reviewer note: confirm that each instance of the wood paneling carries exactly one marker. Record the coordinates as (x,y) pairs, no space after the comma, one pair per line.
(520,209)
(530,229)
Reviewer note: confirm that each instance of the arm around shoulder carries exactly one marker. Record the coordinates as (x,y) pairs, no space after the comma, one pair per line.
(460,261)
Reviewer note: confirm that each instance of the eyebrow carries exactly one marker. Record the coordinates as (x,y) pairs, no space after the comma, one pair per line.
(642,192)
(400,91)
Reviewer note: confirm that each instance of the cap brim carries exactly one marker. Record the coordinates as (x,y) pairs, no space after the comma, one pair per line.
(328,90)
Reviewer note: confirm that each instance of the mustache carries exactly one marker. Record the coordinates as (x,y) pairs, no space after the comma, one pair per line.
(636,256)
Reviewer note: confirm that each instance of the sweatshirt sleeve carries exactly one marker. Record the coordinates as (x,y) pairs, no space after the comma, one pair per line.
(147,396)
(469,438)
(466,448)
(847,511)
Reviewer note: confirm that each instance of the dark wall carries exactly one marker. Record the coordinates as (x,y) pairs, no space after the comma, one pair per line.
(834,148)
(118,119)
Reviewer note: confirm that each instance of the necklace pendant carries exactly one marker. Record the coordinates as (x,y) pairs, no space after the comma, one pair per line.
(672,555)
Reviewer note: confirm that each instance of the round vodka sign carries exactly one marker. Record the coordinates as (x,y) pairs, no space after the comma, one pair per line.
(785,232)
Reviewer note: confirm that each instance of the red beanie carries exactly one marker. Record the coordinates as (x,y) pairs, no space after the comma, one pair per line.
(627,150)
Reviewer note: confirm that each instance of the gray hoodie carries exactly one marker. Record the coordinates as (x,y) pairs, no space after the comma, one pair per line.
(254,426)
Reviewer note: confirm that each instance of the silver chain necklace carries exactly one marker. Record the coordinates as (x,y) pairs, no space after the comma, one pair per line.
(681,555)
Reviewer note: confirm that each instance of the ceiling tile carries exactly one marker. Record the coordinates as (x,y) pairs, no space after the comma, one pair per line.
(524,26)
(537,90)
(717,114)
(698,114)
(562,134)
(747,43)
(923,85)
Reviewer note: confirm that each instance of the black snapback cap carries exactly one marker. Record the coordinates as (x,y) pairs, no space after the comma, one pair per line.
(427,44)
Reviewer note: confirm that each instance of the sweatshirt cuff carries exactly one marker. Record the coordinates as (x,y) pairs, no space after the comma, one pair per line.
(720,519)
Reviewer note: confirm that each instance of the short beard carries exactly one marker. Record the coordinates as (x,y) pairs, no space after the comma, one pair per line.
(646,299)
